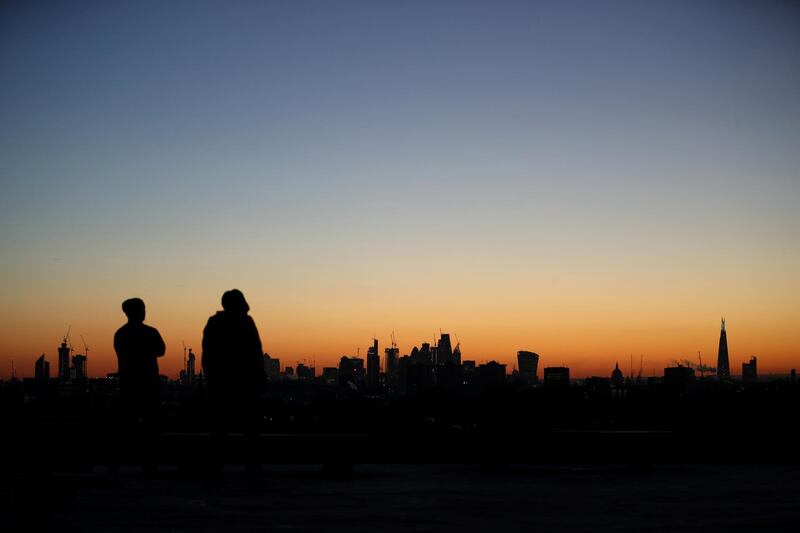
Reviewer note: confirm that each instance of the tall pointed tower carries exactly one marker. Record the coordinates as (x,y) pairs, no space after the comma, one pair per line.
(723,365)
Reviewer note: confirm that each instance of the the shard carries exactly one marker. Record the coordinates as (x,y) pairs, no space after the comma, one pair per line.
(723,365)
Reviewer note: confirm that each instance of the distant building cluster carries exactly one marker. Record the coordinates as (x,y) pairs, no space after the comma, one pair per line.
(70,367)
(440,365)
(437,365)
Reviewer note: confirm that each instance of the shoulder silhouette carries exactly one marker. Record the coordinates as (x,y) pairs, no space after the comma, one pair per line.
(138,347)
(232,355)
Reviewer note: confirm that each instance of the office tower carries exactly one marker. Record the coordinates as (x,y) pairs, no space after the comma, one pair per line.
(351,371)
(491,374)
(723,366)
(416,371)
(392,355)
(457,354)
(404,374)
(749,371)
(373,364)
(191,362)
(678,374)
(556,376)
(42,369)
(448,376)
(444,351)
(468,372)
(528,364)
(63,360)
(305,373)
(330,375)
(423,355)
(78,370)
(272,367)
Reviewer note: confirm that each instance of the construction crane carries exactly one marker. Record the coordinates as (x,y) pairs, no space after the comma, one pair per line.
(86,354)
(630,370)
(699,358)
(641,368)
(67,340)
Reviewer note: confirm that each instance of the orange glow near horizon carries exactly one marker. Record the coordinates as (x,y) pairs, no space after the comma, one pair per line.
(582,331)
(590,184)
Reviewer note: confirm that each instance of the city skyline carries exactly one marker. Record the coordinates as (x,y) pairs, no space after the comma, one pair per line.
(586,181)
(171,367)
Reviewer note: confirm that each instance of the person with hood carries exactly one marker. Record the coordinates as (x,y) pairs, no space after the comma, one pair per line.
(233,366)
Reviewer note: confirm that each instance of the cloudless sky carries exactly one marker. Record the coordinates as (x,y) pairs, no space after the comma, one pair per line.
(587,180)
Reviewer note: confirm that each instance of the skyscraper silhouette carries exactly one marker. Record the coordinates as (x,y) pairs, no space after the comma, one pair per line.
(373,364)
(444,352)
(723,365)
(191,362)
(42,369)
(750,371)
(78,370)
(528,363)
(63,360)
(392,356)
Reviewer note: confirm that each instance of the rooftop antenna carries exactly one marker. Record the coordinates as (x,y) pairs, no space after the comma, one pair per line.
(185,364)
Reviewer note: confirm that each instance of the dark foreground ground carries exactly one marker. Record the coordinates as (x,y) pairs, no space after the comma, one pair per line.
(413,497)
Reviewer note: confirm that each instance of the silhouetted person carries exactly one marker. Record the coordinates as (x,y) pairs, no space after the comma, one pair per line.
(233,365)
(138,348)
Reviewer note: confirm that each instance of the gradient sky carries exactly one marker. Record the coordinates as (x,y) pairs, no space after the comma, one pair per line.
(588,180)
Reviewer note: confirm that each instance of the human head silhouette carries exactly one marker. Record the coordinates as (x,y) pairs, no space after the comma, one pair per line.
(134,310)
(233,302)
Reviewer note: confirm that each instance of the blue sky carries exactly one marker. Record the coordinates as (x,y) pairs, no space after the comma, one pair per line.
(367,137)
